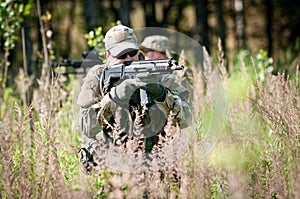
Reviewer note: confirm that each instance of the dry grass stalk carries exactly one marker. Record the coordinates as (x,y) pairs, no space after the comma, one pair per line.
(222,62)
(278,103)
(30,149)
(31,166)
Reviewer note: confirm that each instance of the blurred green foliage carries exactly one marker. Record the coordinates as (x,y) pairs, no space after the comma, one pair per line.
(95,40)
(264,64)
(12,14)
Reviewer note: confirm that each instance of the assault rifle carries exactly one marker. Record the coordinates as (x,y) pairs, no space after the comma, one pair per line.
(134,69)
(67,67)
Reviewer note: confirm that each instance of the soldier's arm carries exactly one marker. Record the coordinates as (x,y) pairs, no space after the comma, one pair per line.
(88,99)
(90,89)
(176,101)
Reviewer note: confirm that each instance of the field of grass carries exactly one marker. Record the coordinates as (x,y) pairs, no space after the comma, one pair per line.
(256,154)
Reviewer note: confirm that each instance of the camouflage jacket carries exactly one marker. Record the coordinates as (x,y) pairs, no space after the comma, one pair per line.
(93,117)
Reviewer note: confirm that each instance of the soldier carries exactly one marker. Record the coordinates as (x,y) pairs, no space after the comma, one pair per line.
(106,111)
(155,47)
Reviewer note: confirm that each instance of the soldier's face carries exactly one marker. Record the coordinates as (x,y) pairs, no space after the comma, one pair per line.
(129,56)
(151,55)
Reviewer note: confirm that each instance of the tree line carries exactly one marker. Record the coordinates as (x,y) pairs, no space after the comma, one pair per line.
(272,25)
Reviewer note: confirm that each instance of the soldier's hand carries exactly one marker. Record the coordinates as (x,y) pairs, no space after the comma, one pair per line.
(156,90)
(152,85)
(123,92)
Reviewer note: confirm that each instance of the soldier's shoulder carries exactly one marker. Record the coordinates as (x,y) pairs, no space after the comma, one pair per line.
(95,71)
(97,68)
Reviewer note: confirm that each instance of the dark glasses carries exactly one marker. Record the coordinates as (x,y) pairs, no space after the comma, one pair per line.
(131,54)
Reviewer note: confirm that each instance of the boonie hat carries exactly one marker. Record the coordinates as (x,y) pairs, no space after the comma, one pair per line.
(155,42)
(119,40)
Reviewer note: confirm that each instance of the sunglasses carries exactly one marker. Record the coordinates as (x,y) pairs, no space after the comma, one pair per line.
(131,54)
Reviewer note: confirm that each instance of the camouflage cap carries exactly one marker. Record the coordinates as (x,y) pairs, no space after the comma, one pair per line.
(119,40)
(155,42)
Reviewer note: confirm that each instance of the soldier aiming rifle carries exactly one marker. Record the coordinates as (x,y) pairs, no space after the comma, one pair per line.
(128,99)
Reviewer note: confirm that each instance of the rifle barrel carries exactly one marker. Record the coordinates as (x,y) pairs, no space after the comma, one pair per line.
(84,64)
(77,64)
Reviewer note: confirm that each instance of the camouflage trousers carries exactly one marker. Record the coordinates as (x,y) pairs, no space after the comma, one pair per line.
(141,145)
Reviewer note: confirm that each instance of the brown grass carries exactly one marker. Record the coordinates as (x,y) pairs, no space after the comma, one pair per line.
(256,156)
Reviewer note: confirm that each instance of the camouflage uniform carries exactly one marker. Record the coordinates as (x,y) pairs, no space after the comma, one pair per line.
(97,106)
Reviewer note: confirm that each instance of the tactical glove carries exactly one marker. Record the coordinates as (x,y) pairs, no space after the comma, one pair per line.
(157,91)
(123,92)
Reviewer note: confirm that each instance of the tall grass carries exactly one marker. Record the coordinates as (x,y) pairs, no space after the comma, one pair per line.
(256,156)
